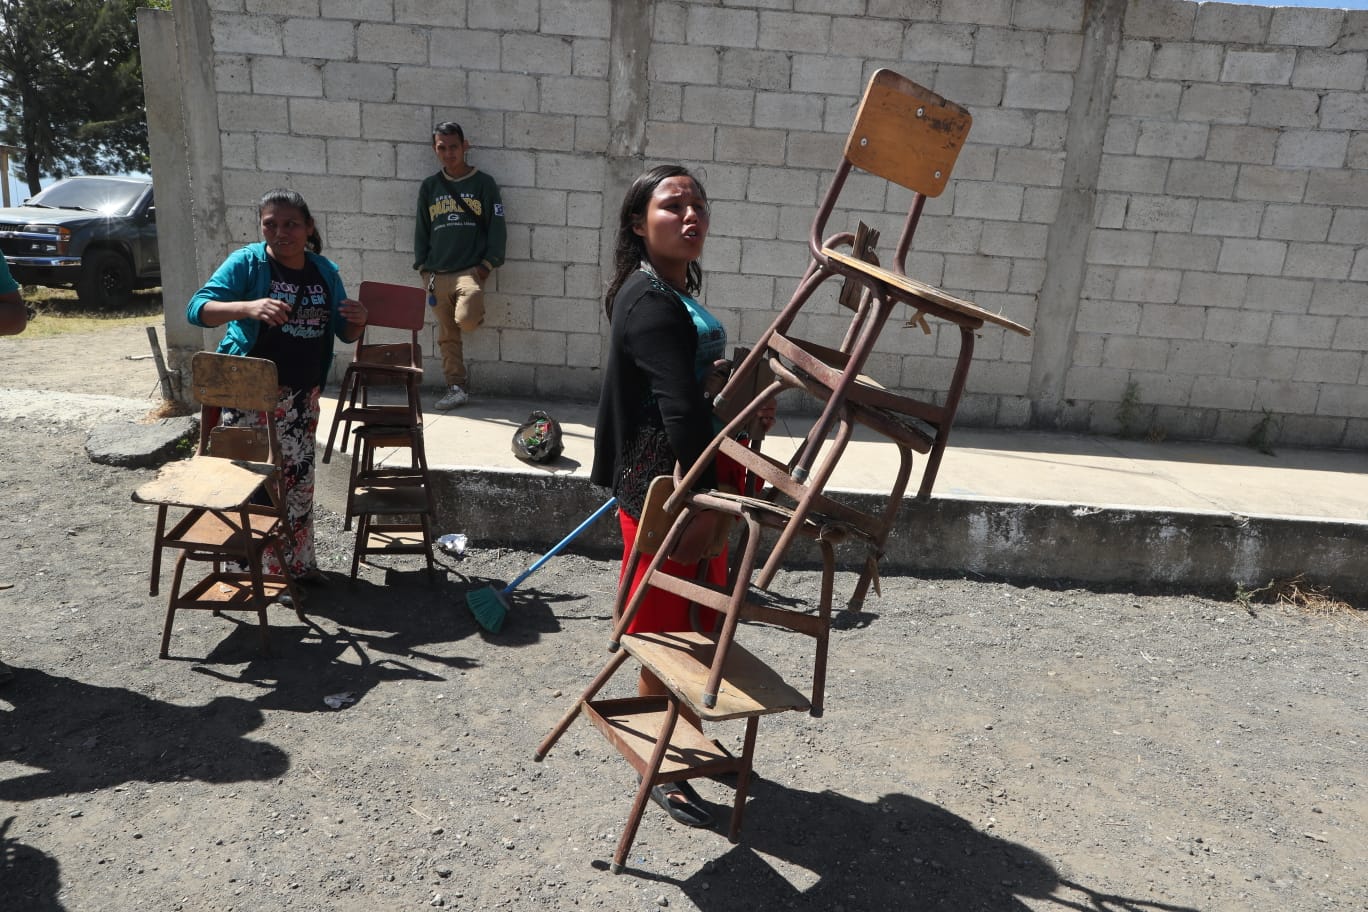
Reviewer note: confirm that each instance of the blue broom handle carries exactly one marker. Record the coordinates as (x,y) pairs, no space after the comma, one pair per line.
(561,545)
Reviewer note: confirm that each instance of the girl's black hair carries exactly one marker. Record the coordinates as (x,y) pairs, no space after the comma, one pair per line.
(283,197)
(631,247)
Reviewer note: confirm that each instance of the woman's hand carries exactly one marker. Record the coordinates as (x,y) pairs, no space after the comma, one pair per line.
(354,312)
(716,378)
(271,311)
(701,531)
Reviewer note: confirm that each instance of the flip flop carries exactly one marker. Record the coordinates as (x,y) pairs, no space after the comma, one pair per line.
(686,811)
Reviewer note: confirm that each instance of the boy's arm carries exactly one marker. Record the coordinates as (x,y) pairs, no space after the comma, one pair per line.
(497,237)
(422,231)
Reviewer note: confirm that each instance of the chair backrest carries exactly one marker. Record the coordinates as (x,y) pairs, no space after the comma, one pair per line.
(394,306)
(907,134)
(236,382)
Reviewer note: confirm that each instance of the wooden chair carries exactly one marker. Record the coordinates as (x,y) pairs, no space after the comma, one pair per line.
(223,522)
(910,136)
(381,367)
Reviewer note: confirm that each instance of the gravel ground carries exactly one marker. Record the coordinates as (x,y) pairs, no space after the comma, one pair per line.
(986,746)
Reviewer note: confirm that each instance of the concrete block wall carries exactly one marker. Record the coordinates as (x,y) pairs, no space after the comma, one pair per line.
(1187,246)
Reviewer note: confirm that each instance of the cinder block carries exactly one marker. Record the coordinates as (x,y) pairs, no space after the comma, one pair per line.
(1305,27)
(747,145)
(376,42)
(1259,67)
(1133,353)
(505,16)
(1271,365)
(782,185)
(1296,223)
(1005,239)
(684,64)
(1231,23)
(1147,285)
(1244,326)
(574,95)
(1311,149)
(1048,15)
(782,31)
(717,27)
(1338,298)
(553,244)
(1310,431)
(359,231)
(282,76)
(1170,20)
(860,36)
(370,159)
(774,258)
(756,69)
(1227,219)
(829,76)
(582,18)
(1292,296)
(976,162)
(1093,384)
(1319,261)
(316,117)
(406,124)
(356,9)
(971,85)
(1274,107)
(386,196)
(977,273)
(1134,58)
(503,91)
(1247,145)
(1329,70)
(344,81)
(589,58)
(1109,210)
(1337,188)
(536,205)
(1284,398)
(1108,317)
(530,278)
(951,235)
(1145,98)
(1206,289)
(1275,185)
(1352,334)
(1184,251)
(1008,47)
(1359,271)
(1252,257)
(1172,140)
(235,34)
(714,105)
(430,86)
(1161,389)
(464,49)
(1172,321)
(1063,52)
(1160,213)
(1223,393)
(1041,91)
(537,53)
(1343,401)
(1302,331)
(813,150)
(975,199)
(585,349)
(1187,61)
(569,172)
(1318,366)
(753,293)
(565,315)
(1200,358)
(1121,136)
(1030,166)
(233,73)
(424,12)
(788,111)
(239,150)
(584,281)
(939,43)
(1201,178)
(1120,248)
(1217,104)
(1344,111)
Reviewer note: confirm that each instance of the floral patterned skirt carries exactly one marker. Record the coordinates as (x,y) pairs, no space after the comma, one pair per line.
(296,417)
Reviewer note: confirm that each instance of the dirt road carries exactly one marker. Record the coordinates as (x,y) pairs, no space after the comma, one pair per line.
(985,746)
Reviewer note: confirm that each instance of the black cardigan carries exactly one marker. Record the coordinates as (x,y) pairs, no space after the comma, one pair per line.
(650,381)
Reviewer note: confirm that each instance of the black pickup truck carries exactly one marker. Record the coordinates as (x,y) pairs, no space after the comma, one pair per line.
(95,234)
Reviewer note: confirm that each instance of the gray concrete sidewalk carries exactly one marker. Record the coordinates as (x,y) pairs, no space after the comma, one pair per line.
(1026,505)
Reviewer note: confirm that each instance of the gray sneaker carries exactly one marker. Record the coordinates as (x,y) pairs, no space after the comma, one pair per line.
(454,398)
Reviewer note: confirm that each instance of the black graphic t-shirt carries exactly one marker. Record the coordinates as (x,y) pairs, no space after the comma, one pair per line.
(296,347)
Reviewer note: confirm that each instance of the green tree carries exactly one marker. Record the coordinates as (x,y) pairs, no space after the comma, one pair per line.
(71,87)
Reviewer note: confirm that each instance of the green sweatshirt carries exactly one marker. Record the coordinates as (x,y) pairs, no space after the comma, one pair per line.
(446,238)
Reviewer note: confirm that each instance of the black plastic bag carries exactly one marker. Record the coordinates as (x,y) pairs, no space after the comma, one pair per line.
(538,439)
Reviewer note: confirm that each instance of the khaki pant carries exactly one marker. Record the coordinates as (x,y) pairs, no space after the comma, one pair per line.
(460,307)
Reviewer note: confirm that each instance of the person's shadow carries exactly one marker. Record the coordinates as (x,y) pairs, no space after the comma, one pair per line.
(29,879)
(824,851)
(82,738)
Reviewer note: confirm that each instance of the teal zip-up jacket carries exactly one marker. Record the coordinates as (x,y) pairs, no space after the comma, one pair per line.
(246,276)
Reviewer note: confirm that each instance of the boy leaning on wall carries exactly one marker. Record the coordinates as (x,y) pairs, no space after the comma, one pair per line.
(458,240)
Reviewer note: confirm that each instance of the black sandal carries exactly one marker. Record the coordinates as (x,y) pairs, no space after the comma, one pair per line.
(682,803)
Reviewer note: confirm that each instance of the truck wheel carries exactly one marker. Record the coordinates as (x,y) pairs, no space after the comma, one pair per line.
(106,280)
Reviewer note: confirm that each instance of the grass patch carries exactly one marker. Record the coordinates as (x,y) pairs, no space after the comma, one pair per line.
(59,312)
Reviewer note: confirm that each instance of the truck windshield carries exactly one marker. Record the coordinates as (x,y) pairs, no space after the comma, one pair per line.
(111,197)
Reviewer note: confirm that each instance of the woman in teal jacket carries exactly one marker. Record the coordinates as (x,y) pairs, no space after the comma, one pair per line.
(284,302)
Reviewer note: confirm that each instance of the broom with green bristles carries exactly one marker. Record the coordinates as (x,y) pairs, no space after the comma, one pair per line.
(490,605)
